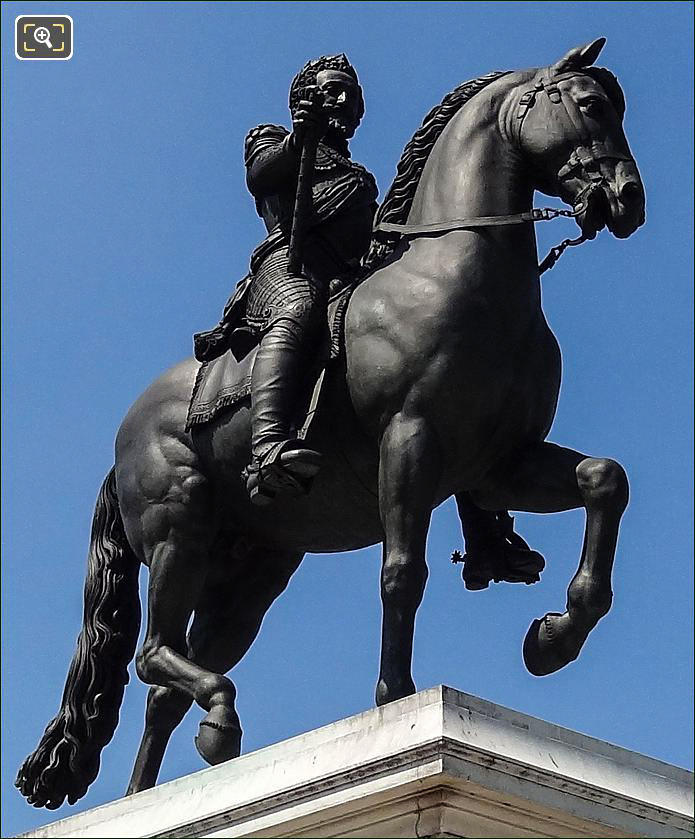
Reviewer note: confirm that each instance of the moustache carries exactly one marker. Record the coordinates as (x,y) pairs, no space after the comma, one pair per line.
(341,121)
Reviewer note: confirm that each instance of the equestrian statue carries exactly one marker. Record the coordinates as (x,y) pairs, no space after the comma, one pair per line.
(374,362)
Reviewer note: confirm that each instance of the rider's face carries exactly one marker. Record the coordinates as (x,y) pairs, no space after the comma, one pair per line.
(342,100)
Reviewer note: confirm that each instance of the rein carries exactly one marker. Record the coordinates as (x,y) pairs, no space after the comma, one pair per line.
(585,156)
(535,214)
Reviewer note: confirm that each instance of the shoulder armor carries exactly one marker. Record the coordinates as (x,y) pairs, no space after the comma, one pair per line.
(262,137)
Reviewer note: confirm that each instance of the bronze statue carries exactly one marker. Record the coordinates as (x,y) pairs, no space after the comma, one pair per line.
(445,382)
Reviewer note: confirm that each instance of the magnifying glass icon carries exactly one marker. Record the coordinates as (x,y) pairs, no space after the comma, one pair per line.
(43,36)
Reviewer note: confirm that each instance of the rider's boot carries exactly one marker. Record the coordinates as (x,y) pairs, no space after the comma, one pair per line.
(493,550)
(280,463)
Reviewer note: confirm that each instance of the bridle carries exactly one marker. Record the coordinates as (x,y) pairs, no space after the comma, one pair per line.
(586,155)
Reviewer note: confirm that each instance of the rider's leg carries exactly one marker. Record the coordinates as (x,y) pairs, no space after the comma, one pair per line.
(278,373)
(493,550)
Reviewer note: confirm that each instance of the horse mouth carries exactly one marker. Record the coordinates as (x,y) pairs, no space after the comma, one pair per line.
(600,207)
(595,214)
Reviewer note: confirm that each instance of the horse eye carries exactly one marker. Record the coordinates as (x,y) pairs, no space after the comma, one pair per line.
(592,107)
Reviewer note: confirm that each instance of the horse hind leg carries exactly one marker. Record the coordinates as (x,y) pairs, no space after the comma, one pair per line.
(227,619)
(548,478)
(163,660)
(178,535)
(166,708)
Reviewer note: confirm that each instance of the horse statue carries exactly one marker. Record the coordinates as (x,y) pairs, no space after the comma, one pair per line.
(448,385)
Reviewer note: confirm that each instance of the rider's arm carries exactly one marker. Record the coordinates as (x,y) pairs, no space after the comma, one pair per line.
(272,153)
(272,160)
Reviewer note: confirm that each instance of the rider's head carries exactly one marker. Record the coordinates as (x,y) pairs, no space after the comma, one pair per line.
(337,81)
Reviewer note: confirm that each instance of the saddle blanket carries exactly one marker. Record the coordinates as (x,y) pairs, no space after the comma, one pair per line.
(225,382)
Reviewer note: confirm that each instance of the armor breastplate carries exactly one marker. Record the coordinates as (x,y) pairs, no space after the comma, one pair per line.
(344,200)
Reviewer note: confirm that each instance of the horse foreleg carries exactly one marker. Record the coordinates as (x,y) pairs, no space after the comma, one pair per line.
(548,478)
(409,471)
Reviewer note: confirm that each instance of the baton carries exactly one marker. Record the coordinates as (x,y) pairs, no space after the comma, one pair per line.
(302,201)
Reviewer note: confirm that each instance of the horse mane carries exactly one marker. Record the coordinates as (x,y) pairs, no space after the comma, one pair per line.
(399,199)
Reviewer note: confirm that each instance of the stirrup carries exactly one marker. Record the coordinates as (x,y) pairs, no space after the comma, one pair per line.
(286,469)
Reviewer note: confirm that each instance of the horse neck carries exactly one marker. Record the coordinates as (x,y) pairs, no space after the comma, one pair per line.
(474,168)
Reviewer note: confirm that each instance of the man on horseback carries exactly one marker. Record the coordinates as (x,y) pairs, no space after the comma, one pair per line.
(280,303)
(286,307)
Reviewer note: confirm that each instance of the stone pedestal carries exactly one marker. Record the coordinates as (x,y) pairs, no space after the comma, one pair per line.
(437,764)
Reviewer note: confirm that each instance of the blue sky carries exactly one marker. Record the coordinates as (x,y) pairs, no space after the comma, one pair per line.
(126,225)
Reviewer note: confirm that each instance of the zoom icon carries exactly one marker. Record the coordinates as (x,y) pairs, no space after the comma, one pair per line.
(43,37)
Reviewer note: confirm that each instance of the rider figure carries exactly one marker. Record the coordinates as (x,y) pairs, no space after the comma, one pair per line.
(288,310)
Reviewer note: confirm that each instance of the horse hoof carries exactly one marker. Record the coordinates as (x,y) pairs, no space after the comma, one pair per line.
(551,643)
(392,693)
(219,735)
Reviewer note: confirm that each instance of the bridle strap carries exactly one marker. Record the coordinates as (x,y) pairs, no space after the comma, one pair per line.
(587,153)
(584,156)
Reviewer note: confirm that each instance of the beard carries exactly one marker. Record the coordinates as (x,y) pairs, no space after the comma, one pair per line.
(342,125)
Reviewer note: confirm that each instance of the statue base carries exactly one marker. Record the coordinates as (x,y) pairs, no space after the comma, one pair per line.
(437,764)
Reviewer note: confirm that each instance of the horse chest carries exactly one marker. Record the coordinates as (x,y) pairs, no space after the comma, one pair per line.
(485,398)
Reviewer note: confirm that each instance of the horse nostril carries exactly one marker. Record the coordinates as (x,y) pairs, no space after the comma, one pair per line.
(630,192)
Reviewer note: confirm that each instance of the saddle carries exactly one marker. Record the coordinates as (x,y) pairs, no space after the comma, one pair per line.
(224,383)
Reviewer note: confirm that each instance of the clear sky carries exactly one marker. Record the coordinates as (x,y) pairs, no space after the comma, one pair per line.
(127,224)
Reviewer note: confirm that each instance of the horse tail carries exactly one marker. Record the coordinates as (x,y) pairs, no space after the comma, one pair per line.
(66,760)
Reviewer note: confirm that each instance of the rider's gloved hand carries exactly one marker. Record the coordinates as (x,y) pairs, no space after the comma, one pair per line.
(309,117)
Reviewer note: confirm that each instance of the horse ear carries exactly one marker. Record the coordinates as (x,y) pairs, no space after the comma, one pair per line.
(580,56)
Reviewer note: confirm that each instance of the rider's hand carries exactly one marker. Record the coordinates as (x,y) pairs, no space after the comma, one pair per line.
(309,116)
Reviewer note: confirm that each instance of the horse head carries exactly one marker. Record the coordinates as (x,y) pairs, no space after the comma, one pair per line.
(567,122)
